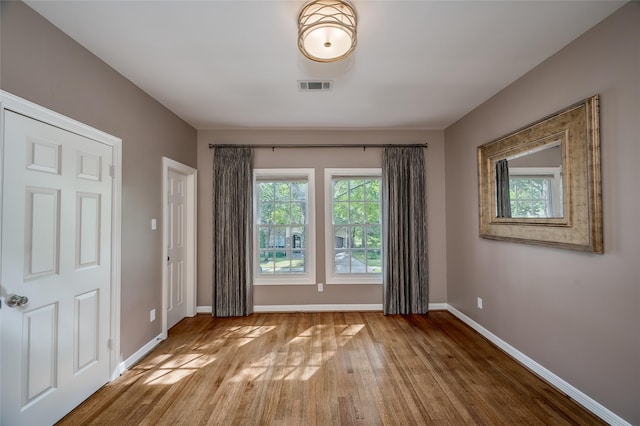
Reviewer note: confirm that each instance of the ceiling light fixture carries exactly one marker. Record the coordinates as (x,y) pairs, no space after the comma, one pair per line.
(327,30)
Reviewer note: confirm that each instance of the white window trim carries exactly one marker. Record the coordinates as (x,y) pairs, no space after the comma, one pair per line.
(309,277)
(329,255)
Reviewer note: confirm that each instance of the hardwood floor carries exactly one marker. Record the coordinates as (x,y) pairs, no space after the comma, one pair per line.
(327,369)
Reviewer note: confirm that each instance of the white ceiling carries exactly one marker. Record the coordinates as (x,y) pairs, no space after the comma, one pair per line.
(235,64)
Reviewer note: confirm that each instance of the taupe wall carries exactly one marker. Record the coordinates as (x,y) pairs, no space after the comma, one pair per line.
(576,314)
(320,159)
(43,65)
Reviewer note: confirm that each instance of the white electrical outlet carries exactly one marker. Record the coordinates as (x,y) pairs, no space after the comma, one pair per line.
(479,303)
(320,287)
(154,224)
(152,315)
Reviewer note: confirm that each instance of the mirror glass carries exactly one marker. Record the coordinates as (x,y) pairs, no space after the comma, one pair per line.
(534,180)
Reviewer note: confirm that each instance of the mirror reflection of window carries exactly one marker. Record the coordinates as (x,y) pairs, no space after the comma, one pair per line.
(534,183)
(535,192)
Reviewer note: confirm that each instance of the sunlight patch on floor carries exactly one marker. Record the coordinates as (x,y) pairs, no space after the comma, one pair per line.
(167,377)
(178,368)
(152,362)
(288,363)
(291,364)
(242,335)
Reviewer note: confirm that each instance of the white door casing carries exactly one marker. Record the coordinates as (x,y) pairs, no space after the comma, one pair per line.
(60,249)
(179,242)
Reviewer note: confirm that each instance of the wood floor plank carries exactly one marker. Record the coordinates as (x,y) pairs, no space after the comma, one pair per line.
(352,368)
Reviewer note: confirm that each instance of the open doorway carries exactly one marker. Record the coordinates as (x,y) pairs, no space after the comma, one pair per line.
(179,186)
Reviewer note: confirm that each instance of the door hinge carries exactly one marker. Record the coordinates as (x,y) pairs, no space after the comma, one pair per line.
(112,171)
(110,344)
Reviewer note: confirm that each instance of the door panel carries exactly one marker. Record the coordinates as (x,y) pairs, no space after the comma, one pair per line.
(88,230)
(87,330)
(42,245)
(56,251)
(39,346)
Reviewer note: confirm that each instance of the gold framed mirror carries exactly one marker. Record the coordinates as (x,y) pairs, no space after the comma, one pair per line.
(542,184)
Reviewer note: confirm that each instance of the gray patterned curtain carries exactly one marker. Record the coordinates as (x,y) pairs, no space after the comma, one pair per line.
(503,198)
(404,210)
(232,231)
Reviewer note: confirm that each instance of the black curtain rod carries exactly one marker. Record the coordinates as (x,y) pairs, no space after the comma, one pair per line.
(350,145)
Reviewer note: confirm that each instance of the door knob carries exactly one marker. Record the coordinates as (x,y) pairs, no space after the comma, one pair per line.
(14,300)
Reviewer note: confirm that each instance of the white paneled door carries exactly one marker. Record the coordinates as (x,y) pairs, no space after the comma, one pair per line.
(176,307)
(56,270)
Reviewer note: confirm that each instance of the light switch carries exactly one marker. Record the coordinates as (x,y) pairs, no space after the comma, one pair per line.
(154,224)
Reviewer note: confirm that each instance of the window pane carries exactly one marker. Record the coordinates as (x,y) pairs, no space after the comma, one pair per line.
(372,190)
(280,237)
(374,237)
(297,213)
(283,262)
(265,191)
(517,209)
(518,189)
(340,212)
(298,238)
(536,188)
(356,190)
(266,262)
(265,237)
(372,212)
(267,216)
(374,261)
(357,213)
(341,190)
(358,262)
(299,191)
(282,213)
(342,262)
(297,262)
(283,191)
(358,237)
(341,239)
(539,208)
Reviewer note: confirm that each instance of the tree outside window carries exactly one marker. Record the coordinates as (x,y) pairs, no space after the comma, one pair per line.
(282,221)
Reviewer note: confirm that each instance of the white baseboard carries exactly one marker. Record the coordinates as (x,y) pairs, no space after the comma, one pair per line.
(139,354)
(306,308)
(203,309)
(322,308)
(574,393)
(318,308)
(438,306)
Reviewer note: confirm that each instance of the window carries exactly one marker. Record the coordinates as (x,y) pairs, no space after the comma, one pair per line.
(535,191)
(284,228)
(353,227)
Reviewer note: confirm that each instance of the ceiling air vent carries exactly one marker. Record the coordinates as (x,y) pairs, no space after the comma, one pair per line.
(314,86)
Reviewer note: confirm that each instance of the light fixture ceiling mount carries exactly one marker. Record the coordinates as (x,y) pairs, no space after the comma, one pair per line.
(327,30)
